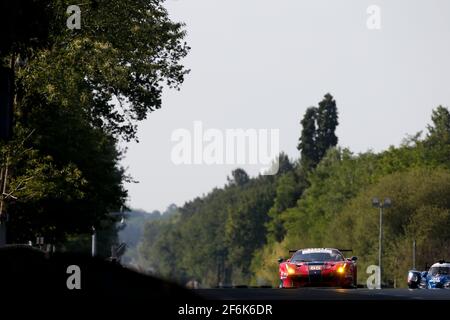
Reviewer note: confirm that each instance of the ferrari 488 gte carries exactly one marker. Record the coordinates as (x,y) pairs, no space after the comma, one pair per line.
(318,267)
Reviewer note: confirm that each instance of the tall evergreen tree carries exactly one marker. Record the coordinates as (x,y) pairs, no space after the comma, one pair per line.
(327,121)
(238,177)
(284,164)
(437,142)
(440,129)
(307,142)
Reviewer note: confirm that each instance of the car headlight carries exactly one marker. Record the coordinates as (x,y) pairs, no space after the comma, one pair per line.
(412,277)
(290,270)
(341,269)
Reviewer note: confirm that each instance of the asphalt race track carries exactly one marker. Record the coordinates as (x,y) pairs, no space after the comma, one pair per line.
(322,294)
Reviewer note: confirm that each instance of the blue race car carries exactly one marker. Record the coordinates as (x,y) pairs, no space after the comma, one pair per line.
(437,277)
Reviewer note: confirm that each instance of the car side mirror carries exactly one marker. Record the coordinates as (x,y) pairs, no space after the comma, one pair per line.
(354,258)
(280,260)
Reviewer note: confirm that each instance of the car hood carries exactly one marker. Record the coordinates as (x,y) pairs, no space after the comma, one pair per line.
(317,263)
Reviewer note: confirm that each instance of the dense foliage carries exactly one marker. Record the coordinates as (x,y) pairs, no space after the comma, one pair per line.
(78,93)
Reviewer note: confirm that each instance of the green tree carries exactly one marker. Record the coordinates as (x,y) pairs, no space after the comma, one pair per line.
(287,193)
(78,93)
(420,212)
(307,146)
(439,131)
(437,141)
(327,122)
(284,164)
(245,228)
(238,177)
(112,69)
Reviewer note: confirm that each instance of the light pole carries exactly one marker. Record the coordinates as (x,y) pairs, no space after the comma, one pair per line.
(381,205)
(94,242)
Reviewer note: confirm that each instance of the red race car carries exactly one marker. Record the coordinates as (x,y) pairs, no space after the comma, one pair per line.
(318,267)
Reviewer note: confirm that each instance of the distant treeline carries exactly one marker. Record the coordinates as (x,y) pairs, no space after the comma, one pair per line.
(131,231)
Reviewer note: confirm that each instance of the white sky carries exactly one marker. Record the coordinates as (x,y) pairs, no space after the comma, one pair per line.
(259,64)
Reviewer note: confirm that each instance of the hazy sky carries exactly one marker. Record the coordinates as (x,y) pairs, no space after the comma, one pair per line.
(259,64)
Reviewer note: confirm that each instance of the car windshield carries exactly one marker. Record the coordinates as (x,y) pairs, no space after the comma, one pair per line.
(434,271)
(308,256)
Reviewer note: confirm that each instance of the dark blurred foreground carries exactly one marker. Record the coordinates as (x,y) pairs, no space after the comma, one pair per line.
(35,283)
(29,274)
